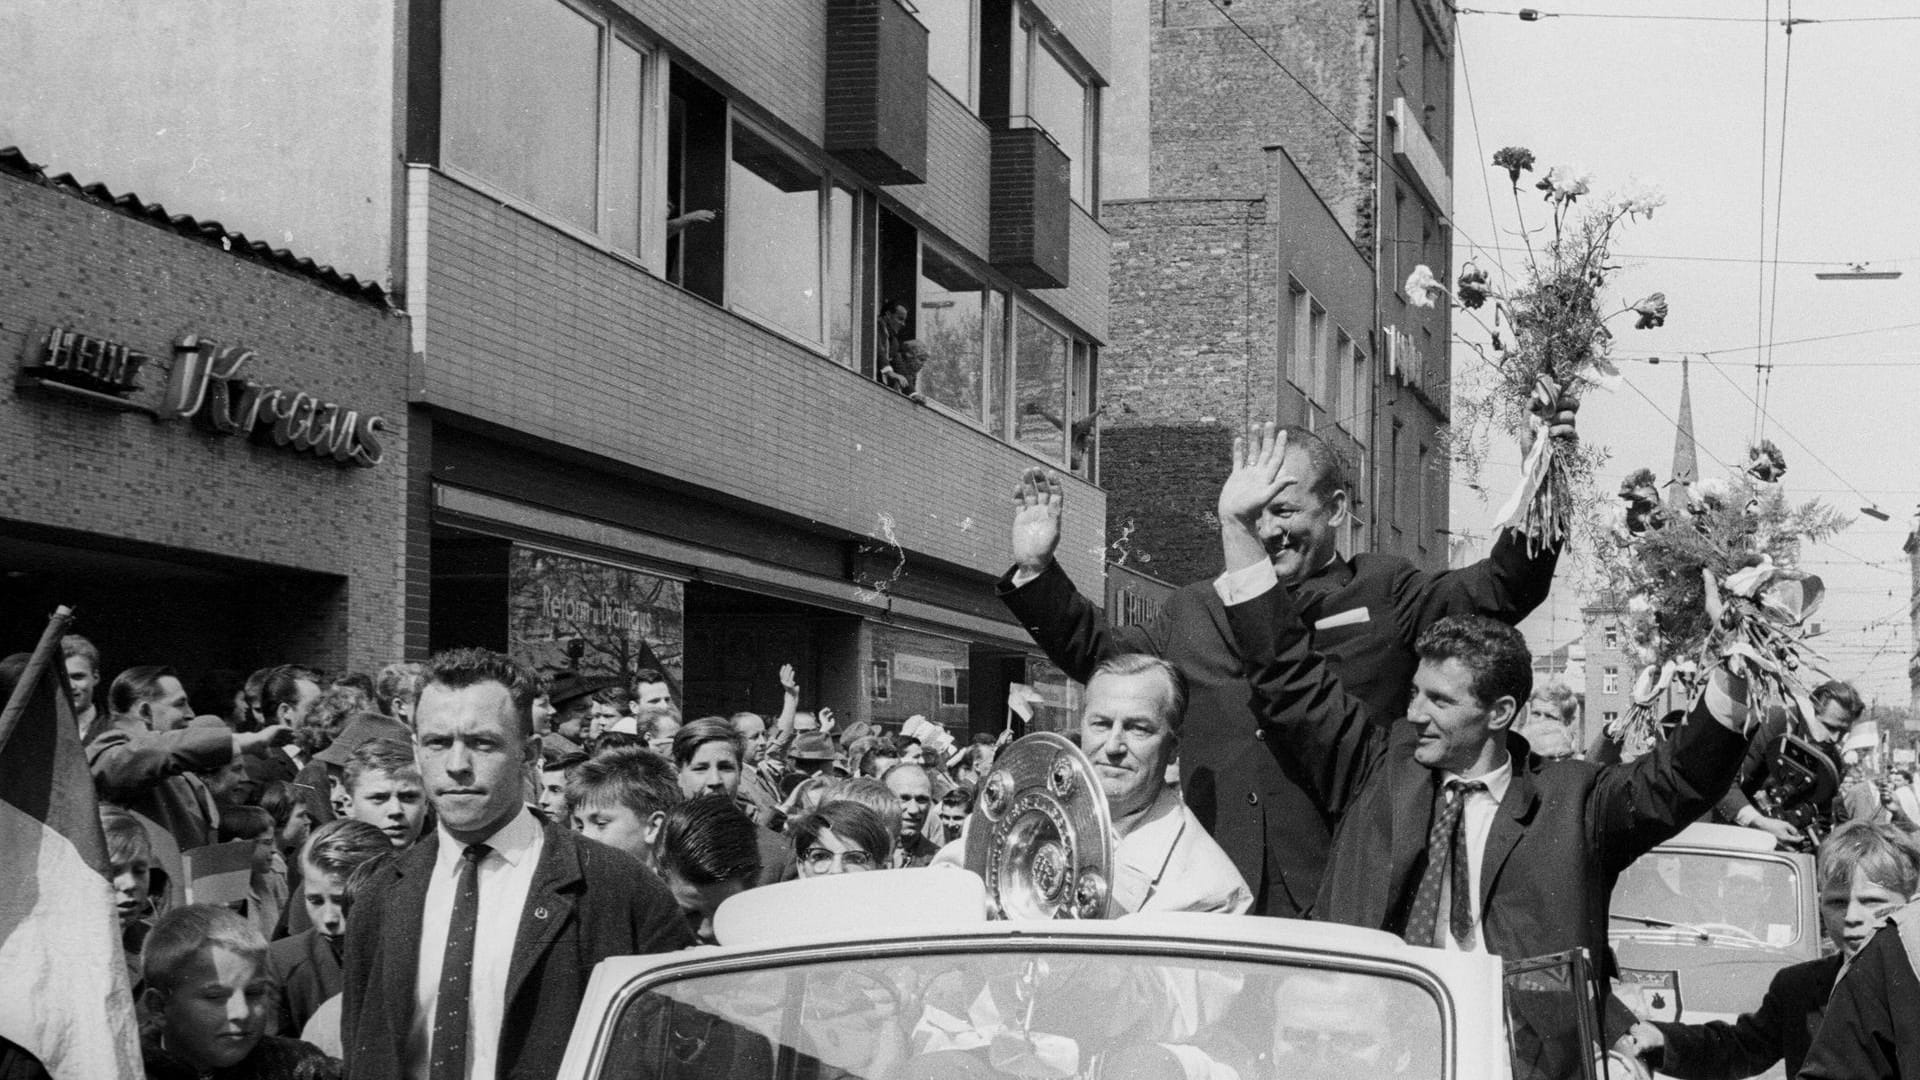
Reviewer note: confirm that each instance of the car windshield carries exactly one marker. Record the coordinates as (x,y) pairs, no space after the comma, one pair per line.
(1054,1013)
(1729,897)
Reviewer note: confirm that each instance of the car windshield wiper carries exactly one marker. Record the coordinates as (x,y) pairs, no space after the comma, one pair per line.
(1663,924)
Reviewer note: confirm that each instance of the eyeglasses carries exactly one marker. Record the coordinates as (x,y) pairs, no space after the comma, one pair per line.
(820,860)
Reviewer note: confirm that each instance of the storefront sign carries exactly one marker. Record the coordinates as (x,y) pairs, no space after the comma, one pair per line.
(565,612)
(88,362)
(209,385)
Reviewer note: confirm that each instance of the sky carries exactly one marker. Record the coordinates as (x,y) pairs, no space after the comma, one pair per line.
(1681,105)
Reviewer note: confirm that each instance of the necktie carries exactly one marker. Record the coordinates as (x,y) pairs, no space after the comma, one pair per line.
(456,972)
(1447,861)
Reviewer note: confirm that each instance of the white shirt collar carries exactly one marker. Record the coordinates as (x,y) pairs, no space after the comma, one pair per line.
(1497,780)
(513,841)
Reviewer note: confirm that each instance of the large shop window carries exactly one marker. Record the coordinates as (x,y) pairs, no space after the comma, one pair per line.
(953,46)
(773,236)
(1048,93)
(545,104)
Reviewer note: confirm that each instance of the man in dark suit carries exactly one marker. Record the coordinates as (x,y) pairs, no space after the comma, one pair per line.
(1364,614)
(1836,705)
(433,992)
(1451,833)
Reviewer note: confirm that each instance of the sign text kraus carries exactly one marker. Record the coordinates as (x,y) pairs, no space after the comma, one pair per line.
(209,384)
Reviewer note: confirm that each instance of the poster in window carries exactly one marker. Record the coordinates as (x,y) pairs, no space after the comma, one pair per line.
(597,618)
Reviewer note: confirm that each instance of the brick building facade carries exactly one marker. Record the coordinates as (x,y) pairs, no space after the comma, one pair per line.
(173,542)
(1260,251)
(645,248)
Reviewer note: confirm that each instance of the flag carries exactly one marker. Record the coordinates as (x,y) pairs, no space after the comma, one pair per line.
(67,1001)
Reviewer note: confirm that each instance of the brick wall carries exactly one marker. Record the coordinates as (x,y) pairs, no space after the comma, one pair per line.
(1217,100)
(1193,314)
(773,53)
(126,477)
(1163,485)
(591,353)
(1084,302)
(959,156)
(1087,25)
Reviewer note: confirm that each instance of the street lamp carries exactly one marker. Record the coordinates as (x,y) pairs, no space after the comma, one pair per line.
(1859,272)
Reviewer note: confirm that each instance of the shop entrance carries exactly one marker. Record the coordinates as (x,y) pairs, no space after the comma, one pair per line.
(737,640)
(212,619)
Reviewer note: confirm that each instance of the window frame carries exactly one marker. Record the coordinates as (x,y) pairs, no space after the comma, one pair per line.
(655,68)
(1029,35)
(971,99)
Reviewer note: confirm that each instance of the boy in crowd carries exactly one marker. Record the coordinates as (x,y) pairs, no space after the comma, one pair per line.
(306,966)
(207,999)
(1866,873)
(552,791)
(707,852)
(130,864)
(267,898)
(384,790)
(621,798)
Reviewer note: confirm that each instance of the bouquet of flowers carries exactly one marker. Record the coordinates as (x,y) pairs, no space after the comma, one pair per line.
(1712,573)
(1547,341)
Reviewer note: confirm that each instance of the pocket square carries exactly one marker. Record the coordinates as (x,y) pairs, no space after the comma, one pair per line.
(1351,617)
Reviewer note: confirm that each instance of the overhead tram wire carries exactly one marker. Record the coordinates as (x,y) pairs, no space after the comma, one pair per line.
(1760,299)
(1534,15)
(1473,113)
(1779,204)
(1797,441)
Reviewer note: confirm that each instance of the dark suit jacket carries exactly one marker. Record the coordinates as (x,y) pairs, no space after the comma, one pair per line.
(305,973)
(1562,835)
(1868,1032)
(1250,800)
(1780,1029)
(587,902)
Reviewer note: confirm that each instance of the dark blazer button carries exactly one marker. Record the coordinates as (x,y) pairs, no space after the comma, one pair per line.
(1253,798)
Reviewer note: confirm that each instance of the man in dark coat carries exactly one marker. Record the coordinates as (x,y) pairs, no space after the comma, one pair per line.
(429,977)
(1364,613)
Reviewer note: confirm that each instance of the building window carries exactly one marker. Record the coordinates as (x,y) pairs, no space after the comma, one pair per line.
(1360,399)
(1612,636)
(774,236)
(954,330)
(1083,391)
(1610,680)
(953,46)
(1423,524)
(1339,361)
(1040,386)
(880,679)
(546,105)
(1300,352)
(1608,718)
(1317,363)
(1046,92)
(949,686)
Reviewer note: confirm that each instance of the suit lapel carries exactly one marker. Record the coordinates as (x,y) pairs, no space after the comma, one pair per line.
(1413,794)
(550,904)
(405,908)
(1509,825)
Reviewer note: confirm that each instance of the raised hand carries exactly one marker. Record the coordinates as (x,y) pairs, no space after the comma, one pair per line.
(1255,478)
(1037,502)
(787,681)
(1557,408)
(825,716)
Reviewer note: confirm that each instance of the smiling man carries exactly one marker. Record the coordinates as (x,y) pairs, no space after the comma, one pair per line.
(423,997)
(1363,614)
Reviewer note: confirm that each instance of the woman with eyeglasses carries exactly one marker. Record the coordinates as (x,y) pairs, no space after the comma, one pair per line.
(840,837)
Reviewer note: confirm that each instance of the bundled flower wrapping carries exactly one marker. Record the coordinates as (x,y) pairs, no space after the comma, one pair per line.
(1714,575)
(1557,344)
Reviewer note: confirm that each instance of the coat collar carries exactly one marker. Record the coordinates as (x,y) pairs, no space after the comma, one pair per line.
(1516,810)
(550,907)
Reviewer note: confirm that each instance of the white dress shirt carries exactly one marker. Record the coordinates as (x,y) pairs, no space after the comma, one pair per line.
(1476,821)
(506,876)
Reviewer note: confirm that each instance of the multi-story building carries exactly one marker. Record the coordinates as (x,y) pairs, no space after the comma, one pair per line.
(1610,671)
(646,248)
(1264,229)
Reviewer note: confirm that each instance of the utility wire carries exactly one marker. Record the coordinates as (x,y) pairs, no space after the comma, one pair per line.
(1760,300)
(1466,77)
(1534,14)
(1796,439)
(1779,205)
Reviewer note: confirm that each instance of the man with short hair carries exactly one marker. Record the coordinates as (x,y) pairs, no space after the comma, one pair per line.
(913,788)
(422,998)
(1363,615)
(83,678)
(650,687)
(287,695)
(620,797)
(1836,706)
(384,790)
(142,763)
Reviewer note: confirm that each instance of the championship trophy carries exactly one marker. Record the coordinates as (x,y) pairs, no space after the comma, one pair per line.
(1040,835)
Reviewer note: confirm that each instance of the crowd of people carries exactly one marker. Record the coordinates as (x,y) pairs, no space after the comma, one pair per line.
(442,851)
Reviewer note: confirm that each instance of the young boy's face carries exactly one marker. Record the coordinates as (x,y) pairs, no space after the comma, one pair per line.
(263,853)
(553,794)
(394,803)
(337,790)
(326,899)
(217,1009)
(699,902)
(132,885)
(618,826)
(1851,915)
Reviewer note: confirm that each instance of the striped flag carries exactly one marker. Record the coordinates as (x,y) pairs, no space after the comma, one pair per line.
(66,1000)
